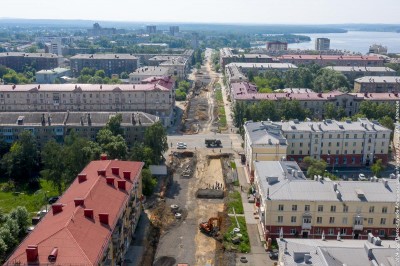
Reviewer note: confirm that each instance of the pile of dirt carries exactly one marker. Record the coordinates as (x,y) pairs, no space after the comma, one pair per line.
(210,194)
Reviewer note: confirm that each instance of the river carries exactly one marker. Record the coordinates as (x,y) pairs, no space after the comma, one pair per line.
(354,41)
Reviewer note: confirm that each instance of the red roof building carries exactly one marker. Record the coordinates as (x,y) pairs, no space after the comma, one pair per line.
(92,223)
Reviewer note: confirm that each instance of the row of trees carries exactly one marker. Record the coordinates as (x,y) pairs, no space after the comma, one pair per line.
(182,90)
(91,76)
(10,76)
(312,76)
(13,227)
(60,163)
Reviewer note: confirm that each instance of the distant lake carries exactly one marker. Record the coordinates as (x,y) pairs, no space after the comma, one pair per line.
(354,41)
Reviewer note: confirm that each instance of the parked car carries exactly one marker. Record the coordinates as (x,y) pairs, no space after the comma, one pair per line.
(53,200)
(273,255)
(362,177)
(181,145)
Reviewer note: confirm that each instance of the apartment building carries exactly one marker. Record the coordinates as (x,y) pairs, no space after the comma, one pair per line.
(177,65)
(290,206)
(378,84)
(18,60)
(322,44)
(340,144)
(58,125)
(110,63)
(228,56)
(263,142)
(349,102)
(92,223)
(332,60)
(277,46)
(146,72)
(353,72)
(155,97)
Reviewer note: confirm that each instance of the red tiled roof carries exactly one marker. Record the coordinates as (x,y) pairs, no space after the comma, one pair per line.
(330,57)
(81,240)
(164,81)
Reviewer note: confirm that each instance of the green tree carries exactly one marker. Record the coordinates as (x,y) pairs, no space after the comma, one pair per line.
(95,80)
(84,79)
(9,239)
(180,95)
(53,156)
(155,137)
(114,146)
(377,168)
(314,167)
(86,71)
(148,182)
(250,76)
(3,249)
(330,111)
(100,73)
(114,125)
(21,216)
(142,153)
(328,80)
(124,75)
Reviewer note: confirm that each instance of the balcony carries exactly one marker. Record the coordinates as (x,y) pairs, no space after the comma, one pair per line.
(306,226)
(358,227)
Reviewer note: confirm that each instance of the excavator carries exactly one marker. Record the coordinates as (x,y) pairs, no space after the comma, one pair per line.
(211,227)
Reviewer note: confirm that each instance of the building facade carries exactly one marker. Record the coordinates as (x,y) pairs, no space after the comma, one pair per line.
(58,125)
(151,29)
(156,97)
(50,76)
(18,60)
(322,44)
(291,206)
(332,60)
(277,46)
(378,84)
(110,63)
(92,223)
(340,144)
(146,72)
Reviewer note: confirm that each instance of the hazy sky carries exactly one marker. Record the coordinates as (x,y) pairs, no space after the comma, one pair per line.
(223,11)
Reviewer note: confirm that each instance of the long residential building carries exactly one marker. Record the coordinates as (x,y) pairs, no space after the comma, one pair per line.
(340,144)
(143,73)
(156,97)
(227,56)
(332,60)
(58,125)
(349,102)
(19,60)
(290,206)
(353,72)
(92,223)
(110,63)
(378,84)
(177,65)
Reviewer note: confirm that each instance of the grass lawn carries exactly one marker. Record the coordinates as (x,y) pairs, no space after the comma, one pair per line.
(221,108)
(244,245)
(33,201)
(235,201)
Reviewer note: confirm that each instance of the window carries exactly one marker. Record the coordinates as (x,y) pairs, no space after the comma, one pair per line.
(293,231)
(301,144)
(329,144)
(344,220)
(319,220)
(337,144)
(383,221)
(384,209)
(294,208)
(331,231)
(343,231)
(384,136)
(330,136)
(280,207)
(338,136)
(301,136)
(355,136)
(347,136)
(320,208)
(381,232)
(280,219)
(371,209)
(346,144)
(318,231)
(333,208)
(307,208)
(358,209)
(370,220)
(293,219)
(331,220)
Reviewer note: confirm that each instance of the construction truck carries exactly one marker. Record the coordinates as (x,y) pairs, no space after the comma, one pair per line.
(211,227)
(213,143)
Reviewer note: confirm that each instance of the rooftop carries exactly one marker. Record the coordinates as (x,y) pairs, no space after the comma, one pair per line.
(151,71)
(267,133)
(105,56)
(331,57)
(360,69)
(21,54)
(265,66)
(57,70)
(378,79)
(82,240)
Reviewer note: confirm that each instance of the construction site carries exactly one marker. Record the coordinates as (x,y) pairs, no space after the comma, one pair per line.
(188,214)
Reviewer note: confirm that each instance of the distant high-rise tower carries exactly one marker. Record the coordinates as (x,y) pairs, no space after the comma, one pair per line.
(195,40)
(322,44)
(173,30)
(151,29)
(55,46)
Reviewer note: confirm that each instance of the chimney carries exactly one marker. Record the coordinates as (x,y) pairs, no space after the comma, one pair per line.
(101,172)
(115,170)
(110,180)
(103,157)
(57,207)
(53,255)
(82,178)
(32,253)
(103,217)
(88,213)
(79,202)
(121,184)
(127,175)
